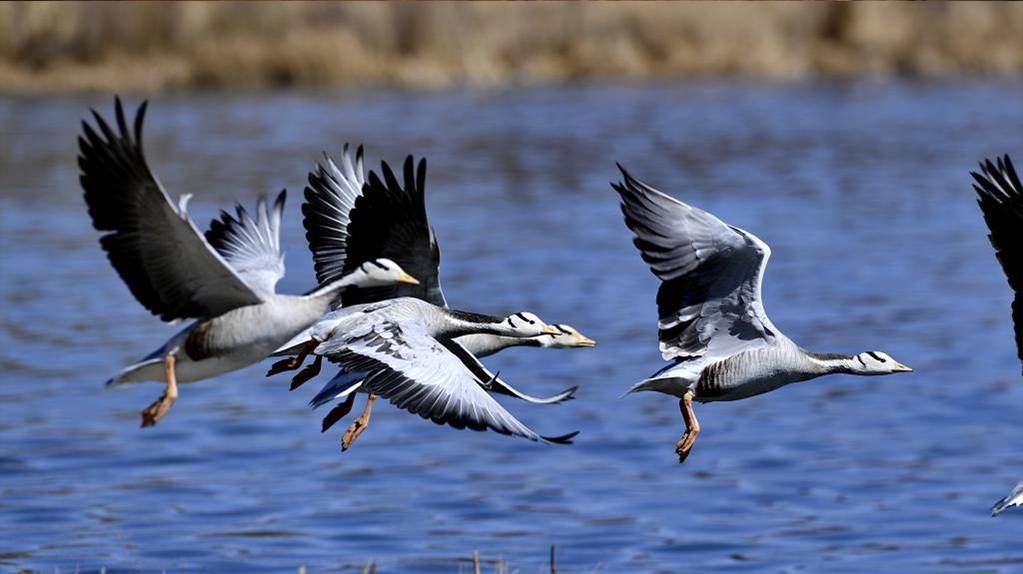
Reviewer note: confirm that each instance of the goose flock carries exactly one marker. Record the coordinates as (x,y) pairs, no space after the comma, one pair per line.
(379,313)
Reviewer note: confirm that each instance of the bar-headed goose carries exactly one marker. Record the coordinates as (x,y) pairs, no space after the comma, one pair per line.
(404,350)
(1000,196)
(712,324)
(225,280)
(349,219)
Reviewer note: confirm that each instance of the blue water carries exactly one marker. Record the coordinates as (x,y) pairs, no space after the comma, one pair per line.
(861,189)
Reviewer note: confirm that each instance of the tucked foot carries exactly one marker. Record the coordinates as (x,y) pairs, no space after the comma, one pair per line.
(307,373)
(685,445)
(353,432)
(156,411)
(357,427)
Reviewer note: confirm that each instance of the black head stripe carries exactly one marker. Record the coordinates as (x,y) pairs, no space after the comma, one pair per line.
(877,358)
(384,267)
(860,359)
(363,268)
(511,321)
(522,316)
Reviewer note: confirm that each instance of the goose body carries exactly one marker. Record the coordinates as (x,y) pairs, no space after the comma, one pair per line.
(405,350)
(228,342)
(224,279)
(712,325)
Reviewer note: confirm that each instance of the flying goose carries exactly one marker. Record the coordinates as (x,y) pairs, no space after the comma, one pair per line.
(404,350)
(712,324)
(224,280)
(1000,196)
(349,219)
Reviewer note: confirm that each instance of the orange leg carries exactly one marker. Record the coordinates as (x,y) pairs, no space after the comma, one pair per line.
(685,444)
(358,426)
(157,410)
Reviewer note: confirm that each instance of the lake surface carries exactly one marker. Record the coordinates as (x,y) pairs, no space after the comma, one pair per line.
(861,189)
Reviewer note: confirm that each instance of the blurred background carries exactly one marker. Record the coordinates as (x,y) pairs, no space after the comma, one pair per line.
(841,134)
(47,47)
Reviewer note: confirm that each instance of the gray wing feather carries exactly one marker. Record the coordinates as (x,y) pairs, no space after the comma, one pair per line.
(400,361)
(252,246)
(329,200)
(153,244)
(711,273)
(1015,498)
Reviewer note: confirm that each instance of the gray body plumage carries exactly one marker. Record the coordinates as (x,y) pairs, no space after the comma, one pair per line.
(350,218)
(404,350)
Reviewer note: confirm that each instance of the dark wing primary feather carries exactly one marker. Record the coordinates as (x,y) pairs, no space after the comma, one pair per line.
(711,272)
(400,361)
(389,220)
(252,246)
(492,382)
(153,245)
(1000,196)
(329,199)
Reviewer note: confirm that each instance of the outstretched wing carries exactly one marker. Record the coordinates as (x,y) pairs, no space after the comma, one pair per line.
(400,361)
(389,220)
(154,246)
(711,273)
(350,221)
(252,246)
(329,199)
(1000,196)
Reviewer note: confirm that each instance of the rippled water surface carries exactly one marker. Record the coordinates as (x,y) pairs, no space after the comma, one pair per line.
(862,191)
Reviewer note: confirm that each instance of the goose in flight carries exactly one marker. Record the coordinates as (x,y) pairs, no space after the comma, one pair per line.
(712,324)
(349,219)
(405,350)
(1000,196)
(224,280)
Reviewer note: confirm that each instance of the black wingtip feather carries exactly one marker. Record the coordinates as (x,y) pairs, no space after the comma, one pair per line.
(562,439)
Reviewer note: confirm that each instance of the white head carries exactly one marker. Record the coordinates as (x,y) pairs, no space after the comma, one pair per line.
(877,363)
(525,324)
(569,337)
(381,272)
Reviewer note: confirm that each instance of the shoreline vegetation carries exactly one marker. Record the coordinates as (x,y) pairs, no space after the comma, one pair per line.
(82,47)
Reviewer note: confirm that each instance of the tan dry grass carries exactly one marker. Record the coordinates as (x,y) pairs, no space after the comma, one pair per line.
(152,46)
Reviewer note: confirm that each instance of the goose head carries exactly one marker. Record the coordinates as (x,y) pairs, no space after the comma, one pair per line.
(525,324)
(381,272)
(877,363)
(569,337)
